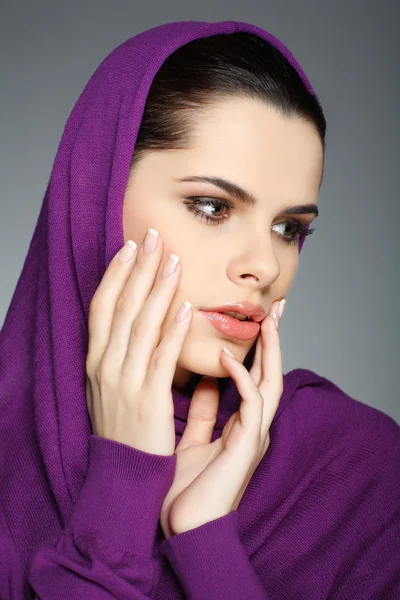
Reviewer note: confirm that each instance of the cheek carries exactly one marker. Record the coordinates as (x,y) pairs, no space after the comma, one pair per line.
(288,273)
(288,263)
(135,224)
(194,283)
(141,210)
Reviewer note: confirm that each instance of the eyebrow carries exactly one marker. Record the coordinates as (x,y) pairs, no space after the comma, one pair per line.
(240,194)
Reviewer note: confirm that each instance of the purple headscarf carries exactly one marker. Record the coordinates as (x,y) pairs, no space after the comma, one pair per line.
(44,423)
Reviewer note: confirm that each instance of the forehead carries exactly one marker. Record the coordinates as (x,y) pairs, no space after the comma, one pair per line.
(247,139)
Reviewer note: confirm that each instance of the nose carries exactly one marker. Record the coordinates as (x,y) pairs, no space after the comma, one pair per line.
(255,262)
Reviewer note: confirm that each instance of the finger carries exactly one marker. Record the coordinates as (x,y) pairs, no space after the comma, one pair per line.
(89,400)
(202,414)
(256,368)
(162,367)
(251,406)
(271,385)
(102,305)
(146,329)
(132,299)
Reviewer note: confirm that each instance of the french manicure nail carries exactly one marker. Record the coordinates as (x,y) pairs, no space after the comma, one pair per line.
(183,311)
(170,265)
(127,251)
(281,308)
(225,349)
(150,241)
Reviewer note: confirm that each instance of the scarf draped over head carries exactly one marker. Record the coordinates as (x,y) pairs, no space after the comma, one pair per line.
(44,423)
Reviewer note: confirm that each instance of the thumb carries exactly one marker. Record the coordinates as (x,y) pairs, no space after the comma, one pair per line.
(202,414)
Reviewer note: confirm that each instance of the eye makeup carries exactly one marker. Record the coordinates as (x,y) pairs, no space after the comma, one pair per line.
(195,204)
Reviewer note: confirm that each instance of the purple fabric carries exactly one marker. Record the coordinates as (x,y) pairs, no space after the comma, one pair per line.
(79,513)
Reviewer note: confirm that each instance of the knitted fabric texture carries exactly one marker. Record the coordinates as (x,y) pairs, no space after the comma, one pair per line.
(79,513)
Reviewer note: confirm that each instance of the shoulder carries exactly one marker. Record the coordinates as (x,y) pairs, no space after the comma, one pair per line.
(319,407)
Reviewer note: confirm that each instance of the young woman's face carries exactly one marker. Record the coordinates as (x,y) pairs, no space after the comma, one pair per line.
(239,255)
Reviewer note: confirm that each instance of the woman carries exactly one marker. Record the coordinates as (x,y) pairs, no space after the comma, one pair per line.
(139,459)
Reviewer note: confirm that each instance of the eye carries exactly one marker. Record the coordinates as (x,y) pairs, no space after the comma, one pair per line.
(298,229)
(211,203)
(216,205)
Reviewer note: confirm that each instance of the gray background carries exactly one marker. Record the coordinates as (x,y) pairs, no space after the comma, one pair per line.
(341,319)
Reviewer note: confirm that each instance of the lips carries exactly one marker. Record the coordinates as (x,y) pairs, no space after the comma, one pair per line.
(231,327)
(237,316)
(254,311)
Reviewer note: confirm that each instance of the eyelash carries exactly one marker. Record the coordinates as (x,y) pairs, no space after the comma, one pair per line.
(195,201)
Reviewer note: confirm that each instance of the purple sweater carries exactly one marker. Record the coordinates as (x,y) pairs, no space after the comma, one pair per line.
(79,514)
(319,519)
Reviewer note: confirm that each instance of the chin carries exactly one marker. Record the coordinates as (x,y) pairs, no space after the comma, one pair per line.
(204,358)
(215,371)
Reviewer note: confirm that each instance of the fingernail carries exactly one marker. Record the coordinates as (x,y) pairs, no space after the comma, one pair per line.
(150,241)
(183,311)
(281,308)
(127,251)
(170,265)
(225,349)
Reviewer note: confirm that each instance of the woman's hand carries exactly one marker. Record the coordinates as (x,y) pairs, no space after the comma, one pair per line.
(129,370)
(211,477)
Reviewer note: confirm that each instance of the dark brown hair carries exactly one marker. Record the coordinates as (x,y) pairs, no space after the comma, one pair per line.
(239,64)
